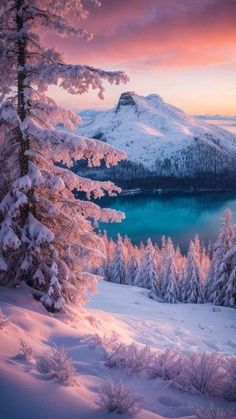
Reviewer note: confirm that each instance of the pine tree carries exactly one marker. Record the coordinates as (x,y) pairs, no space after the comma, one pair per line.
(117,271)
(230,294)
(192,285)
(132,267)
(171,291)
(221,269)
(205,264)
(147,276)
(210,250)
(168,255)
(169,279)
(198,248)
(46,239)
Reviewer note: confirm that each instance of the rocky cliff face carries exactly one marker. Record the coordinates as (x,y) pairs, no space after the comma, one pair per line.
(126,99)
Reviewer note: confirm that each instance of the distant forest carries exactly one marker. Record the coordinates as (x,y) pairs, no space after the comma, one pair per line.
(130,175)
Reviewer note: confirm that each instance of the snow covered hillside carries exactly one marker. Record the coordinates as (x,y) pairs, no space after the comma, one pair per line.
(27,392)
(162,138)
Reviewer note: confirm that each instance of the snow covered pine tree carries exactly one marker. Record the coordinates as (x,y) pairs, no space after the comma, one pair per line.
(192,289)
(222,269)
(46,240)
(146,275)
(117,270)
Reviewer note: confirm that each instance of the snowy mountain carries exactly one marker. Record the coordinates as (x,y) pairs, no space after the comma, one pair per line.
(88,115)
(163,139)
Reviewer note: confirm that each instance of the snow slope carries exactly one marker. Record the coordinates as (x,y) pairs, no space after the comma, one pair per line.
(162,137)
(26,393)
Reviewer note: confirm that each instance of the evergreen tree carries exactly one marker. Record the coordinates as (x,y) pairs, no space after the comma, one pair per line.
(117,271)
(221,268)
(167,258)
(230,294)
(147,276)
(132,267)
(192,286)
(210,250)
(46,240)
(170,292)
(205,264)
(197,247)
(169,275)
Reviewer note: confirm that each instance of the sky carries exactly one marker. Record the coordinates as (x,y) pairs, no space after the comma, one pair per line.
(184,50)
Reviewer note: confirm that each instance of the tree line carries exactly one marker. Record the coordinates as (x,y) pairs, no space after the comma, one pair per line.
(203,275)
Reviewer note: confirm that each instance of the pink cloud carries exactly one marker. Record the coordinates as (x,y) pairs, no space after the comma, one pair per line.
(152,40)
(158,32)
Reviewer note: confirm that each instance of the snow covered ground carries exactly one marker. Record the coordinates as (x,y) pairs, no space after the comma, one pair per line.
(26,392)
(185,327)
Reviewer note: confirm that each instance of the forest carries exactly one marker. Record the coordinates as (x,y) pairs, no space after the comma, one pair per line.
(204,275)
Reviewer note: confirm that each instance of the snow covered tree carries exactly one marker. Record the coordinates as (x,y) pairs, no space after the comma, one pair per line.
(117,270)
(168,256)
(147,276)
(210,250)
(169,279)
(131,271)
(192,285)
(221,268)
(197,246)
(46,239)
(230,293)
(128,246)
(205,264)
(230,290)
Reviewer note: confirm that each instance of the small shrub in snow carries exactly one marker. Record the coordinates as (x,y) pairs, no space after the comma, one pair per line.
(211,413)
(57,363)
(166,365)
(3,321)
(230,386)
(25,350)
(203,373)
(131,358)
(115,397)
(107,341)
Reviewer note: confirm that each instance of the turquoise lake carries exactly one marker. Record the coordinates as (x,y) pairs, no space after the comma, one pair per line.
(177,216)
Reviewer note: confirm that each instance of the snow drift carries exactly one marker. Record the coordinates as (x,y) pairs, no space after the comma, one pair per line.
(27,390)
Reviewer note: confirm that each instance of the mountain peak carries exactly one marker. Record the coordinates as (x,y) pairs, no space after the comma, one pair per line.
(155,97)
(126,99)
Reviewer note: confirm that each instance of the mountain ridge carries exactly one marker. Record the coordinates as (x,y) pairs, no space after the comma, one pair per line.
(166,148)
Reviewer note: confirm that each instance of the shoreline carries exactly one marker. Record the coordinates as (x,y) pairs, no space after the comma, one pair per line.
(160,191)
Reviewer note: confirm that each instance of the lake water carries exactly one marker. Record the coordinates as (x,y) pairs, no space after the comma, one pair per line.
(177,216)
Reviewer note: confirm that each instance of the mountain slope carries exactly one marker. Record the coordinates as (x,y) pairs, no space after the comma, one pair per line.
(164,139)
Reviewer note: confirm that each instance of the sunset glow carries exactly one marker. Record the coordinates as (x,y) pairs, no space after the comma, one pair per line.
(185,51)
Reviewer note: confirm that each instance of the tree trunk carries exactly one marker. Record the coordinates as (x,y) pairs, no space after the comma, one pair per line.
(21,76)
(22,106)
